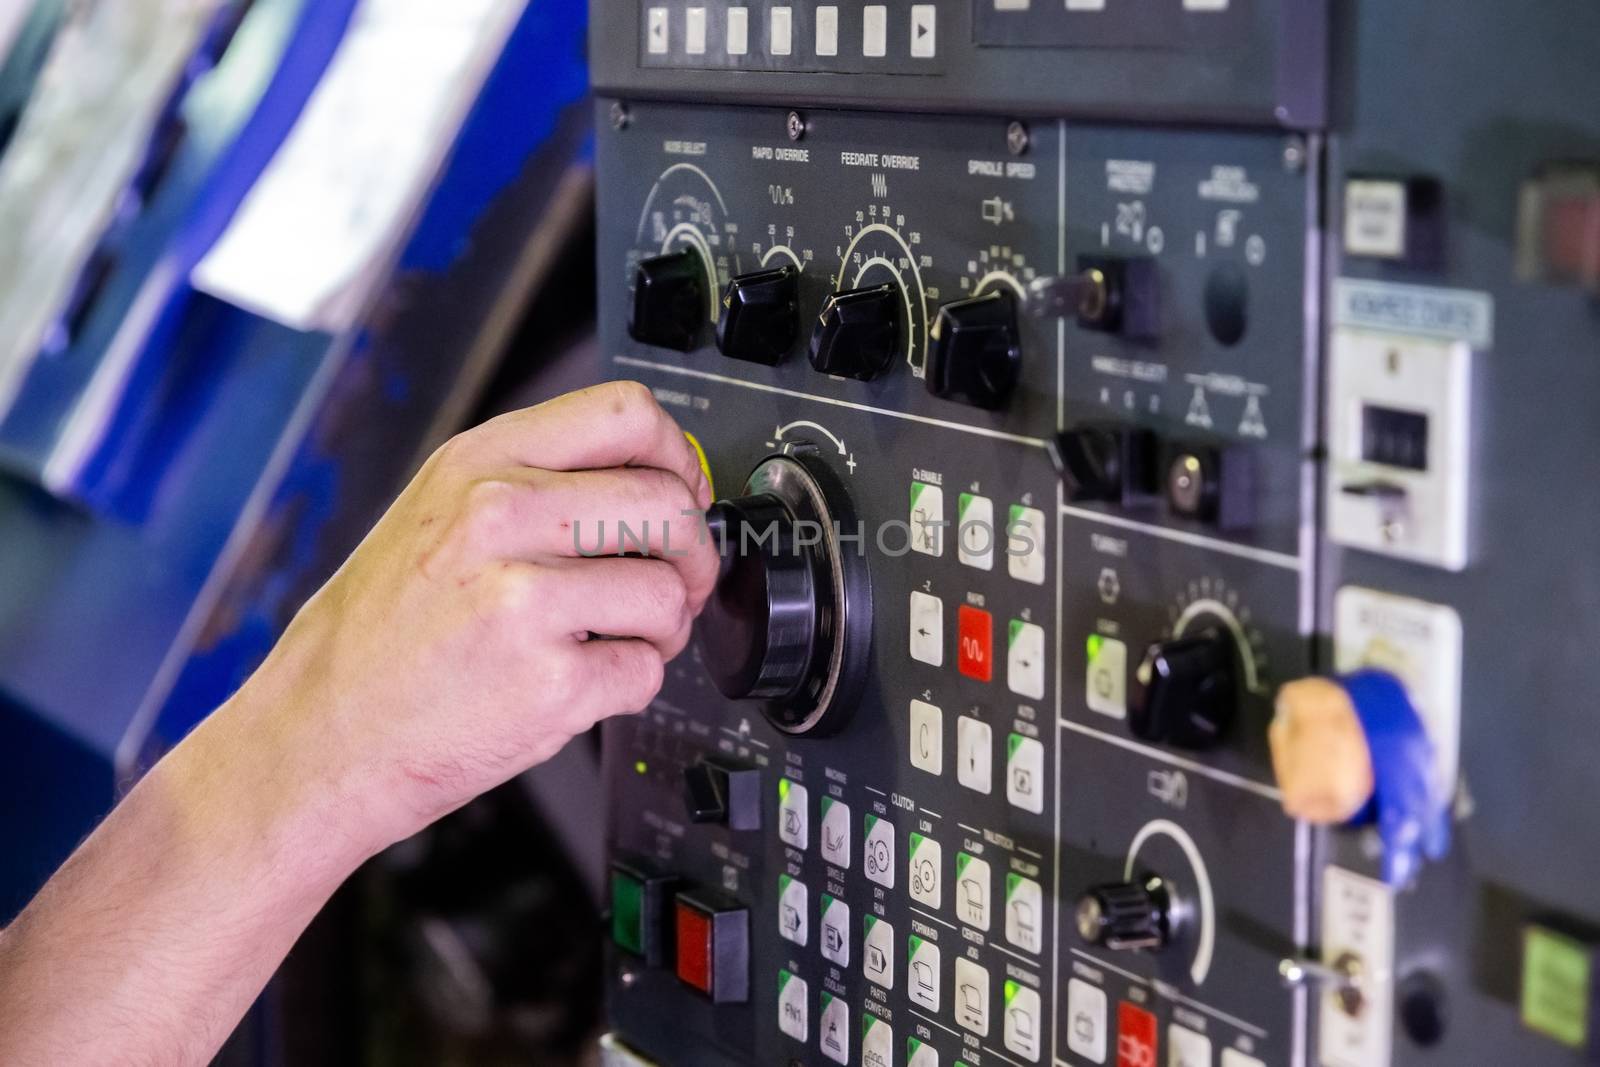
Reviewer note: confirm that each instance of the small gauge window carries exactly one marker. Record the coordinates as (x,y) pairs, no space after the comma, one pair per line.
(1394,438)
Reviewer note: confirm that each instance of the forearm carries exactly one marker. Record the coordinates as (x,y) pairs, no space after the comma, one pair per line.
(152,940)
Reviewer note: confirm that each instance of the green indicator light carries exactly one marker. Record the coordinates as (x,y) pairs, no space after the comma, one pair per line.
(868,923)
(783,882)
(1011,990)
(1557,980)
(962,859)
(827,902)
(783,789)
(641,767)
(966,500)
(916,843)
(1013,883)
(912,1045)
(827,802)
(1012,630)
(1093,645)
(1013,743)
(826,1000)
(866,1024)
(783,979)
(912,944)
(916,491)
(627,913)
(871,821)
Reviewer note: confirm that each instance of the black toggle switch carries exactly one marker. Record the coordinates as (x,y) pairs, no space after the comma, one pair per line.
(1107,462)
(760,316)
(720,790)
(1188,690)
(975,355)
(669,300)
(858,331)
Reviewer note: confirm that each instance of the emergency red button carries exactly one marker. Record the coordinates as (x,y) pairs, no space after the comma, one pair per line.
(975,643)
(713,939)
(1136,1037)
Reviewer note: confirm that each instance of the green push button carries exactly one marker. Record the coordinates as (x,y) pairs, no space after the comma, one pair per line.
(1557,986)
(627,912)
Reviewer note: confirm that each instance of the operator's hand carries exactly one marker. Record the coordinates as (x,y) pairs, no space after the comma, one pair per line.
(454,648)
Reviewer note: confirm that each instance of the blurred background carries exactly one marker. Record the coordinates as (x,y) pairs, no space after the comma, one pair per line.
(257,259)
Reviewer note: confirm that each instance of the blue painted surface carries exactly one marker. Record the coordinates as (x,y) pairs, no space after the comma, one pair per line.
(94,597)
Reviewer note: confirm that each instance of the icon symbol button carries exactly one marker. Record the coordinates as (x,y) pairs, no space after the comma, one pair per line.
(793,826)
(974,754)
(972,891)
(922,968)
(1024,908)
(926,858)
(927,737)
(877,951)
(878,851)
(836,832)
(793,1006)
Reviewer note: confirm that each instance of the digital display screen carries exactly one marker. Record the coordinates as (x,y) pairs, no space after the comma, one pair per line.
(1394,438)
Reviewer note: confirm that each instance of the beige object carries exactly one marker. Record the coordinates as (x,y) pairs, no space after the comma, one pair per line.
(1319,752)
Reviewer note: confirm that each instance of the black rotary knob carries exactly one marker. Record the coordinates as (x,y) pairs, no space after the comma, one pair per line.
(760,316)
(858,331)
(790,621)
(975,355)
(1107,462)
(669,300)
(1127,916)
(1188,690)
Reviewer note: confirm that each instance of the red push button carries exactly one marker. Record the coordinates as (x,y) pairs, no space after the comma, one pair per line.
(694,947)
(713,936)
(1136,1037)
(975,643)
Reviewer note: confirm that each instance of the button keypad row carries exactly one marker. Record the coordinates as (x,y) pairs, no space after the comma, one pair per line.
(1025,644)
(974,756)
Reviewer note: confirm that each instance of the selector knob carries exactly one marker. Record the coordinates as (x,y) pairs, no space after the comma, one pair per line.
(857,332)
(1188,690)
(669,300)
(790,620)
(976,353)
(760,316)
(1127,916)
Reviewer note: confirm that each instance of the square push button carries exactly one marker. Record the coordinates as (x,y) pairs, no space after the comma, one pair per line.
(924,27)
(738,36)
(975,531)
(794,826)
(927,629)
(927,737)
(1558,990)
(1086,1020)
(972,891)
(827,31)
(1025,545)
(1025,659)
(793,924)
(877,851)
(1106,686)
(1185,1048)
(874,31)
(877,951)
(835,930)
(794,1006)
(713,934)
(1024,911)
(641,895)
(972,997)
(922,972)
(1021,1027)
(927,519)
(877,1042)
(975,650)
(656,31)
(974,754)
(694,31)
(780,31)
(834,1029)
(1137,1043)
(836,833)
(1025,773)
(927,857)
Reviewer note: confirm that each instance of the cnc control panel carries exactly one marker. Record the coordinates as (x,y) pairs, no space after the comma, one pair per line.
(1071,381)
